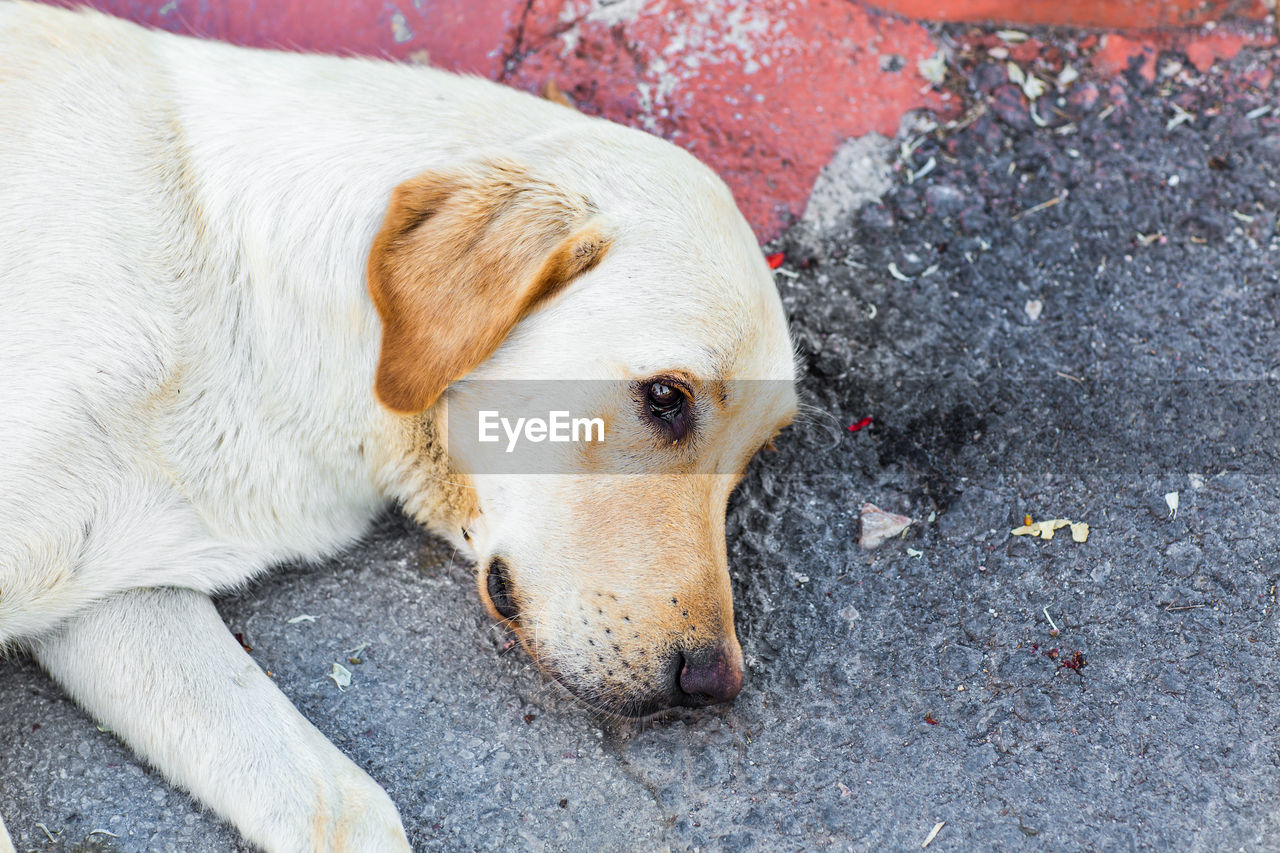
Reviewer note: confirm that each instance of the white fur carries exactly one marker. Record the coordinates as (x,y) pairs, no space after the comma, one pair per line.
(188,348)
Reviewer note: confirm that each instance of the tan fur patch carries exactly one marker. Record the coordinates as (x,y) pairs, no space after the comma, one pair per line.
(461,257)
(438,496)
(555,94)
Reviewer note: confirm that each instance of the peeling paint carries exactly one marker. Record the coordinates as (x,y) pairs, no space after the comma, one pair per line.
(607,12)
(765,92)
(400,28)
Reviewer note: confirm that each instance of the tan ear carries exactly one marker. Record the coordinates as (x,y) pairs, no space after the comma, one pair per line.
(461,257)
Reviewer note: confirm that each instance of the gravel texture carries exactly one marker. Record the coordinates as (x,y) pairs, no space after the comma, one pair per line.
(1079,360)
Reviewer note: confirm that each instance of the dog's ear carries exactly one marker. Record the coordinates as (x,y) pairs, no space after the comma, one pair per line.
(460,258)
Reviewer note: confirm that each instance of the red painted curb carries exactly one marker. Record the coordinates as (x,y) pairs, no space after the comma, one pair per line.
(764,91)
(422,32)
(1095,14)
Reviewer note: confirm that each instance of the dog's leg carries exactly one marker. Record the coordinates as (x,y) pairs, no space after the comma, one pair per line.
(6,845)
(161,670)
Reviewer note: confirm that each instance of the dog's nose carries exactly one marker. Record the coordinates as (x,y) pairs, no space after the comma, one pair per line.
(708,675)
(498,586)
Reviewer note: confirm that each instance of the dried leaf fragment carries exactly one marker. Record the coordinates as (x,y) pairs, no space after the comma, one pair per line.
(1045,529)
(879,526)
(933,68)
(341,676)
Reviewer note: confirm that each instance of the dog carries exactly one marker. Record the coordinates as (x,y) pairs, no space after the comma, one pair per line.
(244,295)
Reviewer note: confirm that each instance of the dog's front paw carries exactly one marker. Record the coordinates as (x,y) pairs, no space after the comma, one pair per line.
(357,815)
(344,811)
(179,689)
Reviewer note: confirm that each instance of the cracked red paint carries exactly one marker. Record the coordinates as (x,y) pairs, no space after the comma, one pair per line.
(1118,53)
(762,91)
(1105,14)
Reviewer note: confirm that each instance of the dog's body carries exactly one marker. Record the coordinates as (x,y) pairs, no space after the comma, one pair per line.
(209,257)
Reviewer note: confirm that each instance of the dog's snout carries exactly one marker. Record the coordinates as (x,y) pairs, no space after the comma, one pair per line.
(501,594)
(707,676)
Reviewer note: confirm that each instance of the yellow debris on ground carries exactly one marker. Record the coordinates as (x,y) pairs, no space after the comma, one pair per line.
(1045,529)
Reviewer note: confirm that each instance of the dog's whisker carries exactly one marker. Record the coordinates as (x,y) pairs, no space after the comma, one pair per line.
(810,413)
(437,479)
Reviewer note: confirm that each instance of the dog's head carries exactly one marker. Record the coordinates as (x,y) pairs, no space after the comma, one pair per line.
(643,294)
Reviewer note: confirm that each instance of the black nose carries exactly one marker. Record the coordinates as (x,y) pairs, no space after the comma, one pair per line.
(498,585)
(707,676)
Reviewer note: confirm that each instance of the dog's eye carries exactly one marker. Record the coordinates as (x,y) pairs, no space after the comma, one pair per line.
(669,408)
(664,399)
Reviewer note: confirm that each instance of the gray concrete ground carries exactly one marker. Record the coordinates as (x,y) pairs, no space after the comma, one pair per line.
(1081,359)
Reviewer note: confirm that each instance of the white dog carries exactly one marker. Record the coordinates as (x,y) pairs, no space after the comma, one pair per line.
(237,288)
